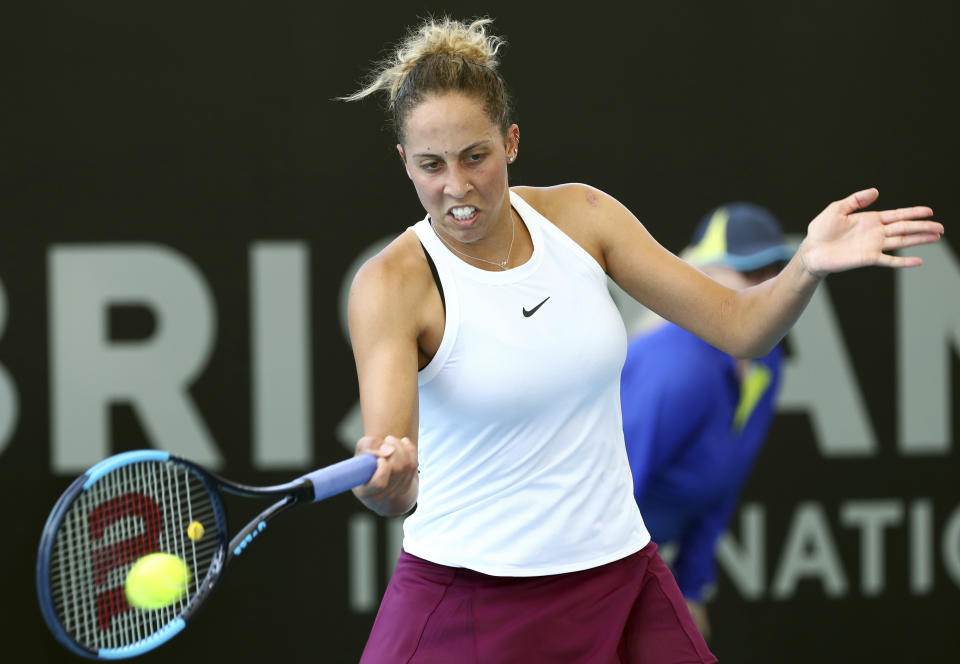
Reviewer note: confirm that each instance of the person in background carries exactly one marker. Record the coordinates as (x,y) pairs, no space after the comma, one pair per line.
(694,417)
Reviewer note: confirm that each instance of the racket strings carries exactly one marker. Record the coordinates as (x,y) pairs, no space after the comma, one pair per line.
(135,510)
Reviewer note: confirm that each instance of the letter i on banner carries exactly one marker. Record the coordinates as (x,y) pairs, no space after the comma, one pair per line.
(281,360)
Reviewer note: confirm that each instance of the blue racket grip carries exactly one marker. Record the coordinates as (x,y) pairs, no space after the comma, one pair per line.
(342,476)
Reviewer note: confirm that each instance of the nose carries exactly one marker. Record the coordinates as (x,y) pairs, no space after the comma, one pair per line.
(458,183)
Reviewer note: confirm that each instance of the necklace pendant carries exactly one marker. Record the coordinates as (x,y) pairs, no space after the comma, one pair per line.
(503,264)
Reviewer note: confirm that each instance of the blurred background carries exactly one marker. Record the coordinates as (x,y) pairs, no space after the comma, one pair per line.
(184,204)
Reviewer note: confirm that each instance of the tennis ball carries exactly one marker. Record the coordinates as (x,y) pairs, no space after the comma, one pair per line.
(195,531)
(156,580)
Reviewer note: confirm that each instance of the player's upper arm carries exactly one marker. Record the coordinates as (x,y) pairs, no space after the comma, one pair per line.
(384,321)
(646,270)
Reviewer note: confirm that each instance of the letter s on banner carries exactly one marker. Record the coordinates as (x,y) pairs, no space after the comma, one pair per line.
(9,402)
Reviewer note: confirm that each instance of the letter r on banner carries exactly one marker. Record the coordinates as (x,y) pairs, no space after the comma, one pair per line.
(89,372)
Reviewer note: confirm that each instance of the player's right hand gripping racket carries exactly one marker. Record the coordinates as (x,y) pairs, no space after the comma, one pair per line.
(138,503)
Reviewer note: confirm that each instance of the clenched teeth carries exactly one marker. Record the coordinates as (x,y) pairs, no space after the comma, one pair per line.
(463,212)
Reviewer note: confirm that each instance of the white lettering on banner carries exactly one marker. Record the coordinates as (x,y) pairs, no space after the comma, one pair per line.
(9,402)
(362,546)
(921,547)
(281,376)
(928,320)
(838,414)
(810,551)
(871,517)
(394,544)
(746,564)
(951,546)
(89,372)
(364,585)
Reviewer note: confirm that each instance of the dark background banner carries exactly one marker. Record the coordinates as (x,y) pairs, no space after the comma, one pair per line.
(184,205)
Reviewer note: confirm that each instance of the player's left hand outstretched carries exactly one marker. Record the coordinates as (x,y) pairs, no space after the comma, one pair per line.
(844,236)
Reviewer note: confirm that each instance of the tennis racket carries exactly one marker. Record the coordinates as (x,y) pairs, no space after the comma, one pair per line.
(143,502)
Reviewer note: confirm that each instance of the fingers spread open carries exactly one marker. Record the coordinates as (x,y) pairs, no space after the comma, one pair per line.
(899,261)
(916,212)
(912,228)
(913,240)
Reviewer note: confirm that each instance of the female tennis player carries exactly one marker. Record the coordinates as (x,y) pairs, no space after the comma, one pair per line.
(489,353)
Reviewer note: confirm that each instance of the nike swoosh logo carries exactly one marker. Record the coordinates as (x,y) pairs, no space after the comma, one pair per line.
(527,314)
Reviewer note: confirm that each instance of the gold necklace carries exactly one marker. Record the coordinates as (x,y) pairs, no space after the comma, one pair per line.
(500,264)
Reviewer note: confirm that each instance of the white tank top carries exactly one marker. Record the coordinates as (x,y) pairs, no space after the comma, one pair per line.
(523,468)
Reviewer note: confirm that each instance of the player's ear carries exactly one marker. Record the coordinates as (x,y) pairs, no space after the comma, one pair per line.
(513,142)
(403,158)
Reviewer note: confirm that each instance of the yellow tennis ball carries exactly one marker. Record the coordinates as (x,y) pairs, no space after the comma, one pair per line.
(156,580)
(195,531)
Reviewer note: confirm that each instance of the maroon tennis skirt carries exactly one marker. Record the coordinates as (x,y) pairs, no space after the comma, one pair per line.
(626,612)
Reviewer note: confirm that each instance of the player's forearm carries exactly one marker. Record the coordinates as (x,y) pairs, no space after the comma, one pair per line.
(762,315)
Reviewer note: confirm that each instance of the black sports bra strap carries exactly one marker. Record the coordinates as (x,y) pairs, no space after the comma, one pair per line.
(436,276)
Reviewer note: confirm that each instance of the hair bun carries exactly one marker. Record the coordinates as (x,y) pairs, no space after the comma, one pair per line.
(441,55)
(453,38)
(444,37)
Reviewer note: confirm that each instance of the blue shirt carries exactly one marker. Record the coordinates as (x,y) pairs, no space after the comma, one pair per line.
(693,429)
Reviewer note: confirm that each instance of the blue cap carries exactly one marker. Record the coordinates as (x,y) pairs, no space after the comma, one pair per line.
(740,236)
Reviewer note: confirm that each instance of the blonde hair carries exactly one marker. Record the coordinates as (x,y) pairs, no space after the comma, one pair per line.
(441,56)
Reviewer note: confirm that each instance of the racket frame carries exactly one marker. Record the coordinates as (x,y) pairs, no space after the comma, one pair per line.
(313,487)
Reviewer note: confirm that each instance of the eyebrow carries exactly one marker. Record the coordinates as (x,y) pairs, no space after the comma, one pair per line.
(473,146)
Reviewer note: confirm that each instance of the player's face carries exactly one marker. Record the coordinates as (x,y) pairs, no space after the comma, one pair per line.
(457,159)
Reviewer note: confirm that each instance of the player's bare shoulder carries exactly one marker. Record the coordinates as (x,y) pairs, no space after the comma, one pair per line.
(576,209)
(393,284)
(560,201)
